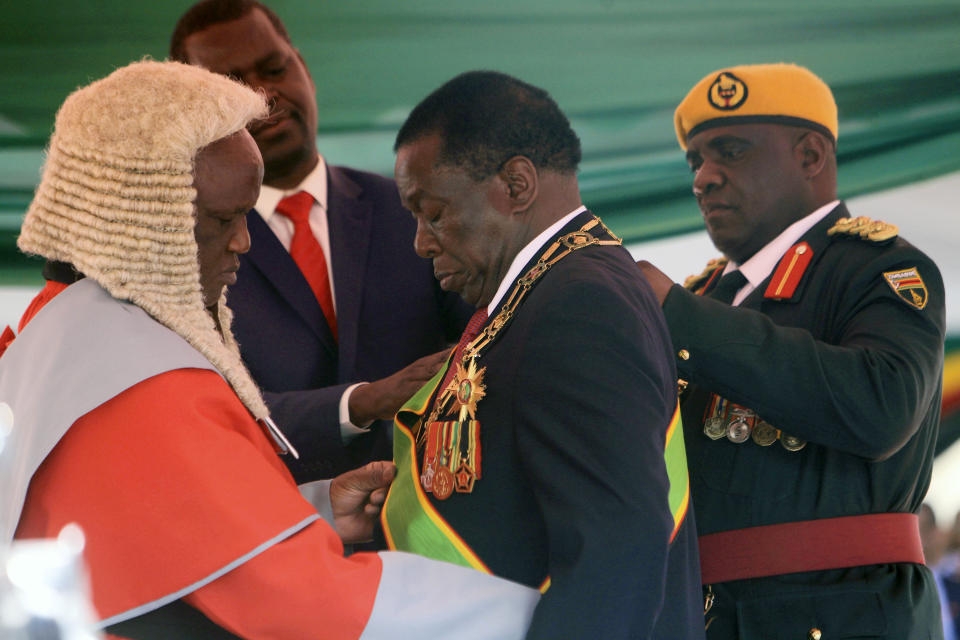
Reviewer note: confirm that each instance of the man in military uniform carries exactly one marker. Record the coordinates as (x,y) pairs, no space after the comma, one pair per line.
(548,451)
(814,355)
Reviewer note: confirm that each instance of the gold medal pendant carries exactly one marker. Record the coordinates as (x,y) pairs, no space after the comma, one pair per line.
(443,482)
(467,389)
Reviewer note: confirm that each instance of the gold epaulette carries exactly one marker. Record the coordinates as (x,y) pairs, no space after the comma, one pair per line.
(864,228)
(692,282)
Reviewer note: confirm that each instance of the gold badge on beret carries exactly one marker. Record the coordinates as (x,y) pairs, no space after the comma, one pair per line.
(727,92)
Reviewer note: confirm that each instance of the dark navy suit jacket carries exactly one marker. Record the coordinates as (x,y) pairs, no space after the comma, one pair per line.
(390,311)
(580,389)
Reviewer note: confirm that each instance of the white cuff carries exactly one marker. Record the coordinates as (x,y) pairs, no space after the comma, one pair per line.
(348,430)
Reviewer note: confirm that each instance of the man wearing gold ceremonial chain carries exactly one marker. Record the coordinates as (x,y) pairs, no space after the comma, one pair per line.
(548,450)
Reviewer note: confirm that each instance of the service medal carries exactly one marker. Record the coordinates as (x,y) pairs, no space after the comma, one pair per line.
(714,428)
(443,482)
(792,443)
(764,434)
(464,478)
(430,456)
(738,430)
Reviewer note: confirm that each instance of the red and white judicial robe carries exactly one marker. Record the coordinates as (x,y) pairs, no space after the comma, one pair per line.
(123,428)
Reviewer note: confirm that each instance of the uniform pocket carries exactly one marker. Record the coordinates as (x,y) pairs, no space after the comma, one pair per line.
(749,470)
(846,614)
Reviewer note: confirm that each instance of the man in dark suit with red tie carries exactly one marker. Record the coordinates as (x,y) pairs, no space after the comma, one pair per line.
(331,303)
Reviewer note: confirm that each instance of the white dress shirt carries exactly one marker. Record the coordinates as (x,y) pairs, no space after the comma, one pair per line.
(763,262)
(526,254)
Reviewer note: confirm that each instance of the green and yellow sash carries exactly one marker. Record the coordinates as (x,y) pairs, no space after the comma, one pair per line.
(410,522)
(675,457)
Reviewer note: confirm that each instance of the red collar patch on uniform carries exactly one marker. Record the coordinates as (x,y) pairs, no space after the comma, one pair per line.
(908,284)
(789,272)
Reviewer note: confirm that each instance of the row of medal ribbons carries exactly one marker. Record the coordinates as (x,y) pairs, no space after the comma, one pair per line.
(725,419)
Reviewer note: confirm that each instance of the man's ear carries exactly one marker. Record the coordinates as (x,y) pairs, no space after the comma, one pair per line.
(520,181)
(812,149)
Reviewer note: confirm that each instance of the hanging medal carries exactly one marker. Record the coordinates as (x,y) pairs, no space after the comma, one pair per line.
(468,389)
(430,456)
(451,449)
(714,426)
(443,480)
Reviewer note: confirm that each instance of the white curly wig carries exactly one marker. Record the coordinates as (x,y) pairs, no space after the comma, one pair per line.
(117,199)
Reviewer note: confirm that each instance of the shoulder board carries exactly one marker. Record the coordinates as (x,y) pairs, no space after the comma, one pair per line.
(862,227)
(713,266)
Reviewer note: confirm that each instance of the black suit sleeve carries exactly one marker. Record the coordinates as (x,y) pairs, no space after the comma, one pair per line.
(863,391)
(594,392)
(311,421)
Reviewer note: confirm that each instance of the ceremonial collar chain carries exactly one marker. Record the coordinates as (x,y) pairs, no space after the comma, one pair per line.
(569,243)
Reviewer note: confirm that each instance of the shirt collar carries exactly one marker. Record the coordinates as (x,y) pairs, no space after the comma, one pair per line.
(526,254)
(315,184)
(763,262)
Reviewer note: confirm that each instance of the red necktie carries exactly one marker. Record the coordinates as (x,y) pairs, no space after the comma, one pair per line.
(473,329)
(307,252)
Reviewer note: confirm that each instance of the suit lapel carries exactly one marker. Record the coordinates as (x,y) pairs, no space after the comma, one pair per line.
(576,223)
(269,257)
(349,219)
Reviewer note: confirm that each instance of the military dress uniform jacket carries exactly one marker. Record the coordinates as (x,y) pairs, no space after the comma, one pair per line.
(579,391)
(853,368)
(390,311)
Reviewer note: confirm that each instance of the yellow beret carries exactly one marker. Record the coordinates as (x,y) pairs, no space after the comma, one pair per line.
(757,93)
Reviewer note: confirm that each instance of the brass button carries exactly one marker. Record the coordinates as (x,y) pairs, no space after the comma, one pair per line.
(800,251)
(684,354)
(814,634)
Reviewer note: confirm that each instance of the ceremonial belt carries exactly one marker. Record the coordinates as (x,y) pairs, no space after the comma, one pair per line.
(810,545)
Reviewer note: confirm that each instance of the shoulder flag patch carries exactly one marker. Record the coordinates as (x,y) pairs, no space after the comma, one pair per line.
(789,272)
(908,284)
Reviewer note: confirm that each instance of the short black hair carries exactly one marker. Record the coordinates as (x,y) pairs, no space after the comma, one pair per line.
(207,13)
(486,117)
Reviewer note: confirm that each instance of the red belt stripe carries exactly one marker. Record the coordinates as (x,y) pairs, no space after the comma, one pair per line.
(810,545)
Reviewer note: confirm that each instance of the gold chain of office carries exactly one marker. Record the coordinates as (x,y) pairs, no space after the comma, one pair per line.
(573,241)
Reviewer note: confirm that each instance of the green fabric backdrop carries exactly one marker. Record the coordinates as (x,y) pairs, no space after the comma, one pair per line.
(617,68)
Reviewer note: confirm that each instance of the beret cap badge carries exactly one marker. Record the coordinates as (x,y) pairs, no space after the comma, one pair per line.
(727,92)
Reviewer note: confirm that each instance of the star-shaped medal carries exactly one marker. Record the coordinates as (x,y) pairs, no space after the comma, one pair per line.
(467,389)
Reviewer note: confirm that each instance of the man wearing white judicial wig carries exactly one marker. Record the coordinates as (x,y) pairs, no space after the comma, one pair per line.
(133,415)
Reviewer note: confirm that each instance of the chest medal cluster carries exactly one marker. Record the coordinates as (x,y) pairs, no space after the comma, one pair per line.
(449,439)
(736,423)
